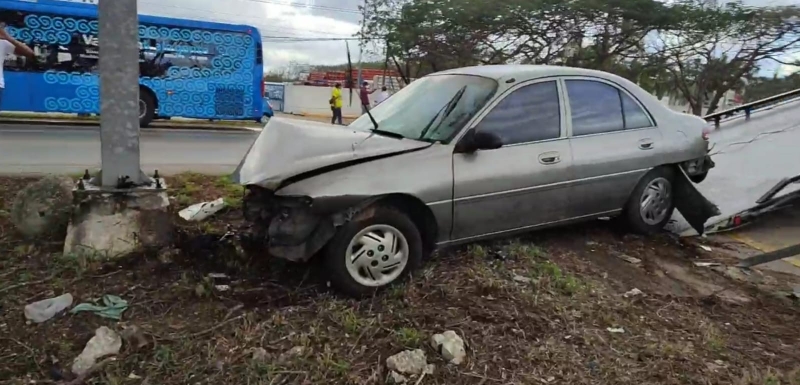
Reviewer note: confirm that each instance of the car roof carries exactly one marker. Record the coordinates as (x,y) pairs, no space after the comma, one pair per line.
(524,71)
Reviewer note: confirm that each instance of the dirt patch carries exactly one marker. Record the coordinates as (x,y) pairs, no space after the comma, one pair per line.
(691,326)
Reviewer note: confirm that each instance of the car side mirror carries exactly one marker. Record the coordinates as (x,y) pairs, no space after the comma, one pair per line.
(478,140)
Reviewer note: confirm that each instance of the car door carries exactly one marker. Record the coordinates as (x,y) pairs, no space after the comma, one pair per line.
(521,184)
(614,142)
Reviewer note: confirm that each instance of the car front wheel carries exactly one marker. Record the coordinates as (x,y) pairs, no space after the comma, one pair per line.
(651,205)
(370,254)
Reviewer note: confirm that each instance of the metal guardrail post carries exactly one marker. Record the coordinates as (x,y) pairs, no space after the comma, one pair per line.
(119,92)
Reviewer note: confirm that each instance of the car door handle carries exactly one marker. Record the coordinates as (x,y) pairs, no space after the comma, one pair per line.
(646,144)
(549,158)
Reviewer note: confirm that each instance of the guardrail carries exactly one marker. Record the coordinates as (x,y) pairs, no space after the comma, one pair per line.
(748,108)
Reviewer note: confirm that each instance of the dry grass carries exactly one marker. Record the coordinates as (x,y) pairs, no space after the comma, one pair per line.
(551,329)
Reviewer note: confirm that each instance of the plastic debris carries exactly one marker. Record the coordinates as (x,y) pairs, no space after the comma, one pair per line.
(222,287)
(706,248)
(201,211)
(112,308)
(616,330)
(104,343)
(707,264)
(44,310)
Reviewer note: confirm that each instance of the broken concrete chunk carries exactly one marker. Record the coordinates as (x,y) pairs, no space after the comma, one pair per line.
(296,351)
(633,293)
(629,259)
(43,208)
(44,310)
(396,378)
(450,346)
(105,342)
(521,279)
(408,362)
(260,355)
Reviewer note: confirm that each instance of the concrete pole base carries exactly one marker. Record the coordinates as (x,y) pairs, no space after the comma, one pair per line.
(112,223)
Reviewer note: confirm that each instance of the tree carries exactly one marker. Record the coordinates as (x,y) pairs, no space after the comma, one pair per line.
(718,49)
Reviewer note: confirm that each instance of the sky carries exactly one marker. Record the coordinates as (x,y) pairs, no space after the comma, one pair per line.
(314,19)
(278,18)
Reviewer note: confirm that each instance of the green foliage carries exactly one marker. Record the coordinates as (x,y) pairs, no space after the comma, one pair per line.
(683,48)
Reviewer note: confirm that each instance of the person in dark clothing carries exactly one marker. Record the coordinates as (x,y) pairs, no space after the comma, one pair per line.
(365,97)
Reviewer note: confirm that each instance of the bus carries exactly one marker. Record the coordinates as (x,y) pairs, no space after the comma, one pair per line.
(189,69)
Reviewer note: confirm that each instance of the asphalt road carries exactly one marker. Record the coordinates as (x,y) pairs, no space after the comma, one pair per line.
(750,158)
(63,149)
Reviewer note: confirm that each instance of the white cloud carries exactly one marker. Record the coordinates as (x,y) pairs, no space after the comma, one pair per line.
(274,18)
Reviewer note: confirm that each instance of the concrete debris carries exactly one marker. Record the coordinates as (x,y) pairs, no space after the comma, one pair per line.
(629,259)
(396,378)
(42,209)
(104,343)
(296,351)
(202,211)
(521,279)
(44,310)
(450,346)
(616,330)
(134,336)
(409,362)
(260,355)
(633,293)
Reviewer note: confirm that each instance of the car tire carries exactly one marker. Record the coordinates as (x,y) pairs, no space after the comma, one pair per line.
(699,178)
(147,109)
(368,255)
(651,204)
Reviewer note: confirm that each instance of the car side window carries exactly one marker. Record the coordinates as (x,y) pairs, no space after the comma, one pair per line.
(595,107)
(635,116)
(529,114)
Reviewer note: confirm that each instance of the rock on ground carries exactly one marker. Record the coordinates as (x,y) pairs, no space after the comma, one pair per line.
(409,362)
(105,342)
(450,345)
(43,208)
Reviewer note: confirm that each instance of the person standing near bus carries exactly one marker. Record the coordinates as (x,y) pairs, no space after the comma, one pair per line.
(336,104)
(9,45)
(364,94)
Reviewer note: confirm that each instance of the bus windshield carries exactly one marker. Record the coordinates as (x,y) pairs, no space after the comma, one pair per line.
(187,68)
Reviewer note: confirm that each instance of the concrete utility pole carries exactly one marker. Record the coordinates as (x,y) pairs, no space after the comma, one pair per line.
(119,92)
(123,210)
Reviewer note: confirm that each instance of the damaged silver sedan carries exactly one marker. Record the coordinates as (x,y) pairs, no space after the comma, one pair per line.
(464,155)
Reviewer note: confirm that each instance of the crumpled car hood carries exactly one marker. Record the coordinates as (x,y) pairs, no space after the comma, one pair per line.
(290,147)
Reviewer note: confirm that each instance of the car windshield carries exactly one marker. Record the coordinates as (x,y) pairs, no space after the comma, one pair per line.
(433,108)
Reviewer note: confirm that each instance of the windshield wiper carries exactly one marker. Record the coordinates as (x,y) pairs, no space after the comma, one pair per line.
(447,109)
(387,133)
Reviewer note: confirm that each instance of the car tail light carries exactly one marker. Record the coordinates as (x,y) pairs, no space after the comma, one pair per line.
(705,136)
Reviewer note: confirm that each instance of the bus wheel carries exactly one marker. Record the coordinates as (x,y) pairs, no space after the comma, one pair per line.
(147,109)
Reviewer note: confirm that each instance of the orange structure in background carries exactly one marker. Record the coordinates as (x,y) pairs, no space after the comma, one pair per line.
(329,78)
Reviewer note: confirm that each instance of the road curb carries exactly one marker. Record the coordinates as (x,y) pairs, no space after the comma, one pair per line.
(154,125)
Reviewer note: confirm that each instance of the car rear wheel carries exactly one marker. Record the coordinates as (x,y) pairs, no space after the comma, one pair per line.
(370,254)
(651,205)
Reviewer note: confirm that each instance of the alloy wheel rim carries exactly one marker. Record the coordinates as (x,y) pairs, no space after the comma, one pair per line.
(377,255)
(655,201)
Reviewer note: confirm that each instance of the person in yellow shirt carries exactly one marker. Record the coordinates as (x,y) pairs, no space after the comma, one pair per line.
(336,104)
